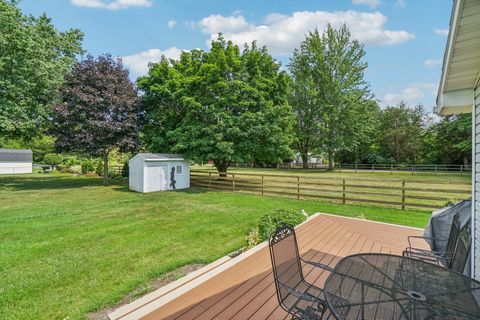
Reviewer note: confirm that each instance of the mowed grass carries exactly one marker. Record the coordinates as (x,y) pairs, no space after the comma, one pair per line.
(71,246)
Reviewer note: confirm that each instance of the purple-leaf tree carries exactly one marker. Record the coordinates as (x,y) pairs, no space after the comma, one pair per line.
(98,111)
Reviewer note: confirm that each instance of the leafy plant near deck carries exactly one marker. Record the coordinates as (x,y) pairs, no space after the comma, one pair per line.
(277,217)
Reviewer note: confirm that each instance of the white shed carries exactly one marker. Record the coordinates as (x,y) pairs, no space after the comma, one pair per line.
(13,161)
(149,172)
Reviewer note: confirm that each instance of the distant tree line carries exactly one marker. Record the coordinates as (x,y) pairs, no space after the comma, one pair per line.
(407,135)
(228,104)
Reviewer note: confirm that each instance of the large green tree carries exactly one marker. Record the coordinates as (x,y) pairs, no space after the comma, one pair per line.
(227,105)
(34,57)
(449,141)
(99,110)
(330,96)
(400,133)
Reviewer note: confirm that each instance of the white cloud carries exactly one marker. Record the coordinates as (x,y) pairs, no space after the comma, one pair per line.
(171,24)
(218,23)
(282,33)
(441,32)
(138,63)
(401,3)
(432,63)
(112,4)
(370,3)
(412,94)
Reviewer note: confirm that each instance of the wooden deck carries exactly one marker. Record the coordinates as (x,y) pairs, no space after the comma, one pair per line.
(243,287)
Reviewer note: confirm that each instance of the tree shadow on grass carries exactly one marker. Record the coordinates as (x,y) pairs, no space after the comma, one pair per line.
(47,182)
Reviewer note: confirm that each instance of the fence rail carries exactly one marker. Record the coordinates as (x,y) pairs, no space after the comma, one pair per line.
(362,167)
(430,168)
(401,193)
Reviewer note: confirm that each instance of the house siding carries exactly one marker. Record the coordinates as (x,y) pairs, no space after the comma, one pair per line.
(476,180)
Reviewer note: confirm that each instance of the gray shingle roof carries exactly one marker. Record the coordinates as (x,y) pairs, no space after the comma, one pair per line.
(16,155)
(161,156)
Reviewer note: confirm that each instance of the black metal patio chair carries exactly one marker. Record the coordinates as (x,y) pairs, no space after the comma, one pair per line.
(462,249)
(298,297)
(438,257)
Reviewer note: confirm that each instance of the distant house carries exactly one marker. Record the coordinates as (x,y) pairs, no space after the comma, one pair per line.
(13,161)
(149,172)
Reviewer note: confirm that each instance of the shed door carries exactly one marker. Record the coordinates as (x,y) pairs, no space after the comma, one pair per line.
(156,178)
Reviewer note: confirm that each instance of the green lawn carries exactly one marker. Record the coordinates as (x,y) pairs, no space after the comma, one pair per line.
(71,246)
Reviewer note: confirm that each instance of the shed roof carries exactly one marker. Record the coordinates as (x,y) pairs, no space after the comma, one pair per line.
(161,157)
(16,155)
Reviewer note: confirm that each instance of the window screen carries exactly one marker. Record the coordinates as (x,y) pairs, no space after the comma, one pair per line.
(179,169)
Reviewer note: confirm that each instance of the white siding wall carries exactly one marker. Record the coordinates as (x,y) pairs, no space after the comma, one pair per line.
(15,167)
(476,178)
(135,174)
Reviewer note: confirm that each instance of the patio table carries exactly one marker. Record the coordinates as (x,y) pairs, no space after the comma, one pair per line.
(383,286)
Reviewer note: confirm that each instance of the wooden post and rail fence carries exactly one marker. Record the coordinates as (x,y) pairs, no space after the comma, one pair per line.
(399,193)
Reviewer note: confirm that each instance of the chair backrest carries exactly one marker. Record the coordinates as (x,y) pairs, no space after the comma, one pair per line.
(462,250)
(452,238)
(287,268)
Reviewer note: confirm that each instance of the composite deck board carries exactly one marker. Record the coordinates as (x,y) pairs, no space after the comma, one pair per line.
(246,290)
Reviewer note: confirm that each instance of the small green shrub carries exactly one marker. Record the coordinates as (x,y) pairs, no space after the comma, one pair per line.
(53,159)
(71,160)
(88,166)
(274,218)
(75,169)
(99,168)
(253,238)
(125,169)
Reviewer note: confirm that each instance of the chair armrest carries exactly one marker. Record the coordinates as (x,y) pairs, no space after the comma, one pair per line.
(423,238)
(318,265)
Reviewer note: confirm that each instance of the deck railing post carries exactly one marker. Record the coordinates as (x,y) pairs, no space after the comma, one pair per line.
(403,194)
(343,197)
(298,187)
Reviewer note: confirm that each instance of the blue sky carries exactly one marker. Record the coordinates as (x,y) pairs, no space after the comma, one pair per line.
(404,39)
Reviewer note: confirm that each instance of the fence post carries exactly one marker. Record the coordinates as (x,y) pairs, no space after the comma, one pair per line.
(461,170)
(343,198)
(340,167)
(435,169)
(403,194)
(262,185)
(233,182)
(373,168)
(391,169)
(355,167)
(412,169)
(298,187)
(209,179)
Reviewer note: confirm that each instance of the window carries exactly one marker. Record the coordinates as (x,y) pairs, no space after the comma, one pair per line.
(179,169)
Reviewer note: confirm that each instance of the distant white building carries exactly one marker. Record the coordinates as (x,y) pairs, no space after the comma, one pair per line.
(149,172)
(14,161)
(311,159)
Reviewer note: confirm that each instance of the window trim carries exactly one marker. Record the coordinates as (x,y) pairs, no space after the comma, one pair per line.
(176,169)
